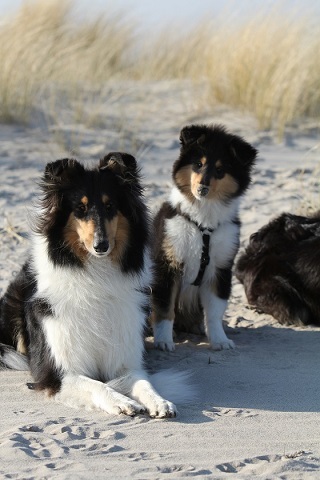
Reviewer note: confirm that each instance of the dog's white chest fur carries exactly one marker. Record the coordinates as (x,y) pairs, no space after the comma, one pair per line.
(187,240)
(96,312)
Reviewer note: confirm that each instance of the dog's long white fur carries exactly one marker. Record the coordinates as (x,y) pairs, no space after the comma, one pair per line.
(14,360)
(96,332)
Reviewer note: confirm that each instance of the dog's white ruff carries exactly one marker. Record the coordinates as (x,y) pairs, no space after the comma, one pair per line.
(96,332)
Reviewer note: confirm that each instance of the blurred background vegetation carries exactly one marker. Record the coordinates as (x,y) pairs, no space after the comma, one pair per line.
(267,64)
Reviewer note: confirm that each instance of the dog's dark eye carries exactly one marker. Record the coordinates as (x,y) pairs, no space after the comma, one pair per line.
(198,165)
(109,206)
(81,209)
(220,172)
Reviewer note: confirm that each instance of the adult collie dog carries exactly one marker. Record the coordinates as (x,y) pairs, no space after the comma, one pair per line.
(280,269)
(196,233)
(75,313)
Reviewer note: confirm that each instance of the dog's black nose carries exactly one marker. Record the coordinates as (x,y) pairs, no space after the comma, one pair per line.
(203,190)
(101,247)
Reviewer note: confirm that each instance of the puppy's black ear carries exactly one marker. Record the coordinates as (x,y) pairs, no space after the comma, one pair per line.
(191,134)
(242,150)
(62,171)
(122,164)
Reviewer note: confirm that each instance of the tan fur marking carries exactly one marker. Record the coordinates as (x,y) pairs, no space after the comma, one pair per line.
(221,189)
(85,230)
(189,181)
(183,180)
(21,344)
(196,178)
(77,233)
(170,254)
(195,182)
(118,235)
(105,199)
(85,200)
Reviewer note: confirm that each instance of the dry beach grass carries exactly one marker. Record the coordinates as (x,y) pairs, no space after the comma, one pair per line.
(43,49)
(266,62)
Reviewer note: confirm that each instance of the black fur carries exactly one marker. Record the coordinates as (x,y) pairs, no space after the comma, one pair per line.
(280,269)
(223,284)
(66,181)
(12,307)
(45,373)
(62,186)
(165,273)
(214,158)
(214,141)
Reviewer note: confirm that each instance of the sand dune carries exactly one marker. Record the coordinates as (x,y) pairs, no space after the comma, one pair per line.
(257,411)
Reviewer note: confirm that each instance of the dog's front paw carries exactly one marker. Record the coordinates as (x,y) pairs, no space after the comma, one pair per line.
(115,403)
(162,409)
(226,344)
(163,339)
(165,346)
(130,408)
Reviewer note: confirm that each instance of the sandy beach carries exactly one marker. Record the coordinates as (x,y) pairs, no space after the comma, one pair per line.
(257,412)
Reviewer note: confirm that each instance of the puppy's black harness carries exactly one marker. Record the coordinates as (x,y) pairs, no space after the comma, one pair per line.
(205,257)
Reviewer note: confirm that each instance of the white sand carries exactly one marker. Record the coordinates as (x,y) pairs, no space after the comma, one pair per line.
(257,412)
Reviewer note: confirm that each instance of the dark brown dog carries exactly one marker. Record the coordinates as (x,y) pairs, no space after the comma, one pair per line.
(280,269)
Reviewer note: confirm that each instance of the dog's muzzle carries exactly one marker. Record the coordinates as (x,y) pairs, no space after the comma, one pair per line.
(203,190)
(102,247)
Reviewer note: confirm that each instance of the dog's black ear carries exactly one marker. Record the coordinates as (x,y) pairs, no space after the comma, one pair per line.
(242,150)
(58,177)
(62,171)
(191,134)
(122,164)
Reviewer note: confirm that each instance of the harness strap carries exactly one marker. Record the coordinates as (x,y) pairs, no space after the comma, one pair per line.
(205,257)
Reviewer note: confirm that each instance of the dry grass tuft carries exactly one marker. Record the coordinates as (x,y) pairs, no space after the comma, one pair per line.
(40,46)
(267,63)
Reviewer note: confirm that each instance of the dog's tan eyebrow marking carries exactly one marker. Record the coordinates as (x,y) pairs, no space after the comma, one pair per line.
(218,163)
(105,198)
(84,200)
(203,160)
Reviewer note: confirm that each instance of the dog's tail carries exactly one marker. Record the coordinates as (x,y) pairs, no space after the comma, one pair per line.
(10,358)
(174,386)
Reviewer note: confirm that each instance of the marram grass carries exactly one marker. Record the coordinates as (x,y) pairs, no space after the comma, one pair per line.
(267,64)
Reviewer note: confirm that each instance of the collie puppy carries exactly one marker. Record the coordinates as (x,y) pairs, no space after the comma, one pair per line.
(280,269)
(196,233)
(75,313)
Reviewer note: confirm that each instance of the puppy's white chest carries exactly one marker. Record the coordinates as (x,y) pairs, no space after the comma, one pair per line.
(186,240)
(190,246)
